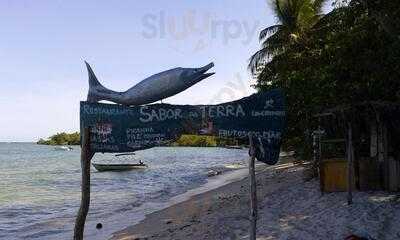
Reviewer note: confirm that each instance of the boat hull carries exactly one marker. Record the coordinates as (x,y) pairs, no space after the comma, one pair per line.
(118,167)
(234,147)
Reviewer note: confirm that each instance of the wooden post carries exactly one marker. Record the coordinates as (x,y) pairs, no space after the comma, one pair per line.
(387,168)
(350,159)
(86,156)
(253,190)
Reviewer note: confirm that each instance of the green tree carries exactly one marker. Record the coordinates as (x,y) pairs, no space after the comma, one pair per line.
(62,139)
(295,19)
(350,56)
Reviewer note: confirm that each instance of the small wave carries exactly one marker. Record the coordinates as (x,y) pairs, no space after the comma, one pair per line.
(235,166)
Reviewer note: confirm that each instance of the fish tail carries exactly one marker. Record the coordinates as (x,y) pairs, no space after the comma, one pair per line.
(96,90)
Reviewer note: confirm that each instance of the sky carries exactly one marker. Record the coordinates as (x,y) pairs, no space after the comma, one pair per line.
(43,46)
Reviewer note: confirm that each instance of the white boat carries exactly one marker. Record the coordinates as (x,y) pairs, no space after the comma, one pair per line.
(120,165)
(63,148)
(101,167)
(233,147)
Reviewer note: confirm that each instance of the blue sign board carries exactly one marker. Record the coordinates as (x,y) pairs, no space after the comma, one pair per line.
(117,128)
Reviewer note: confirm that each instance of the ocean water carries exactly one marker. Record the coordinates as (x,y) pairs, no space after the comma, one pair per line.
(40,188)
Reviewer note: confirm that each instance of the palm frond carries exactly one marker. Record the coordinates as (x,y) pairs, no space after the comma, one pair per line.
(318,5)
(295,19)
(269,31)
(258,60)
(272,46)
(275,43)
(325,21)
(277,9)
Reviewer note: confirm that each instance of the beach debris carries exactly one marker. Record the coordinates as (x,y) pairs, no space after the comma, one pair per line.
(355,237)
(99,226)
(195,220)
(168,221)
(209,211)
(212,173)
(185,226)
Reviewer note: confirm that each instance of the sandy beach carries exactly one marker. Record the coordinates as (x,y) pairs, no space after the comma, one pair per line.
(289,208)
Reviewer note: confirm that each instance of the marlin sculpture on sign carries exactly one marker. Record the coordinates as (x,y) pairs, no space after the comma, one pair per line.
(151,89)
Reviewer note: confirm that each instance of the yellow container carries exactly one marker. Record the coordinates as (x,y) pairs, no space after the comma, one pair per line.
(333,175)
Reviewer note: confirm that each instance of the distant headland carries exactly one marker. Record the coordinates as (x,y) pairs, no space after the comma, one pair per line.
(184,141)
(61,139)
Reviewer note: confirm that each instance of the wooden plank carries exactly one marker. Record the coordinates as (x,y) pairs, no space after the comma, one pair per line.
(338,140)
(350,158)
(397,174)
(316,164)
(385,155)
(370,175)
(322,176)
(373,138)
(380,144)
(253,191)
(86,156)
(334,175)
(394,174)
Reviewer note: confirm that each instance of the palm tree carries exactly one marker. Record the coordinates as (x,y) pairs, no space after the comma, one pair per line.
(295,18)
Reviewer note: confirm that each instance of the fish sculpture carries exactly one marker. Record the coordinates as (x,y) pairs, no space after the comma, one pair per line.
(152,89)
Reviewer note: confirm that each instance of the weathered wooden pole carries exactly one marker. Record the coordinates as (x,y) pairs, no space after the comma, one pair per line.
(350,166)
(317,148)
(86,157)
(253,190)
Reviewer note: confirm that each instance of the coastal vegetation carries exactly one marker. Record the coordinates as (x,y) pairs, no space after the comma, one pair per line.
(202,141)
(62,139)
(184,141)
(195,141)
(348,55)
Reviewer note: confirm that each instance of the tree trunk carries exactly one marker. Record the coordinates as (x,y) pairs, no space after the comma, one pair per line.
(350,165)
(253,191)
(86,156)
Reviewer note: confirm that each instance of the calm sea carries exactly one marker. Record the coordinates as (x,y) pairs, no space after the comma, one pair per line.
(40,188)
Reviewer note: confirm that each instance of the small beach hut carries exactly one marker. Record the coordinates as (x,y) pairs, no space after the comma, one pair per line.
(359,144)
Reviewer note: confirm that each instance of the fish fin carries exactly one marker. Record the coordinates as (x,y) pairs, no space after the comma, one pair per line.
(95,86)
(93,82)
